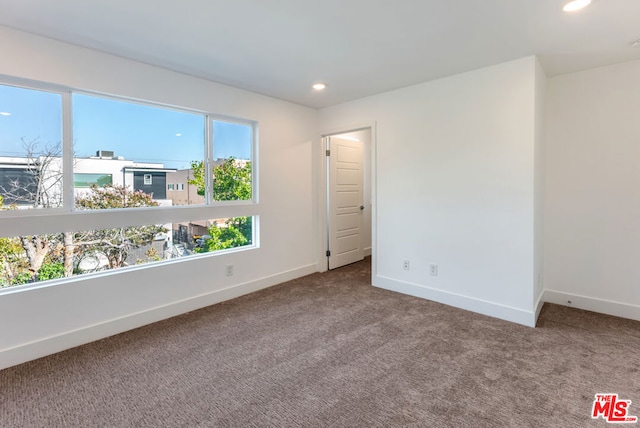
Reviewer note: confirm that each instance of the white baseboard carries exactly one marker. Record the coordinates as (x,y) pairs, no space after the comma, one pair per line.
(608,307)
(51,345)
(367,251)
(491,309)
(538,306)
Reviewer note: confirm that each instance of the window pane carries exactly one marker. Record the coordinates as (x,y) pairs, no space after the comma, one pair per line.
(213,235)
(37,258)
(232,153)
(142,147)
(30,148)
(75,253)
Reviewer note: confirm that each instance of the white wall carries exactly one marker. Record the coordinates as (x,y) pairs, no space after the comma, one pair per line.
(455,186)
(539,172)
(592,209)
(43,320)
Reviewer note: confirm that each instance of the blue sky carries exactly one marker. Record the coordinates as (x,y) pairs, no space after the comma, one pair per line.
(32,115)
(136,132)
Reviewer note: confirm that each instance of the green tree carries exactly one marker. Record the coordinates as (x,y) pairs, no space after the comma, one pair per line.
(224,237)
(13,264)
(14,268)
(197,168)
(115,243)
(51,271)
(231,182)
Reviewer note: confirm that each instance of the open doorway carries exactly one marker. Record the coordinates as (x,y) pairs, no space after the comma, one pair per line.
(349,205)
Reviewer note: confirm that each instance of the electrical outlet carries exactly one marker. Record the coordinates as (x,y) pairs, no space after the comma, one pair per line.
(405,265)
(229,270)
(433,269)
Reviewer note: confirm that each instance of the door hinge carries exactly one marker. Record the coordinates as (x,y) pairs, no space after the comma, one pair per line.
(328,253)
(328,152)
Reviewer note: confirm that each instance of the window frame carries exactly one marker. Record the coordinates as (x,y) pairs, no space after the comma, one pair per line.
(66,218)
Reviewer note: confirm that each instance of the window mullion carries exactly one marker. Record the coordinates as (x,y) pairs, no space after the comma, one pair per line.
(67,153)
(254,164)
(208,170)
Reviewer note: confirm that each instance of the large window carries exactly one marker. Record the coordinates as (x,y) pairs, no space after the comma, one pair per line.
(117,154)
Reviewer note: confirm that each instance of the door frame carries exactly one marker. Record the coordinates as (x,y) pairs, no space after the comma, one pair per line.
(322,183)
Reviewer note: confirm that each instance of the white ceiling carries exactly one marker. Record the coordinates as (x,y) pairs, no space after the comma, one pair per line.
(358,47)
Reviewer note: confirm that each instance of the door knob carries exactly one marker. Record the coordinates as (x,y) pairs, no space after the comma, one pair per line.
(361,207)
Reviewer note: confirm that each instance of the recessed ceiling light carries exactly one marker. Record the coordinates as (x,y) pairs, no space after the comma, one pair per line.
(319,86)
(636,43)
(574,5)
(4,113)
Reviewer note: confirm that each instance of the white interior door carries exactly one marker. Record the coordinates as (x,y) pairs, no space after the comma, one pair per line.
(345,212)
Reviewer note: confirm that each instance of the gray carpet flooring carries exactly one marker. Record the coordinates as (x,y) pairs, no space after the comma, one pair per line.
(330,350)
